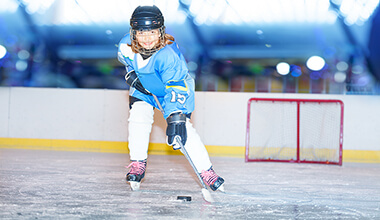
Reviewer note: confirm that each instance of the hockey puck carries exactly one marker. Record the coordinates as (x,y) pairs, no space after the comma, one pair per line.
(184,198)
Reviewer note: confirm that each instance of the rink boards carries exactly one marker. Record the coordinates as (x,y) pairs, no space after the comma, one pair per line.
(96,120)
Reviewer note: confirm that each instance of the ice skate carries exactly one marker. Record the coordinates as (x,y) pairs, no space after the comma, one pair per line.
(214,181)
(136,174)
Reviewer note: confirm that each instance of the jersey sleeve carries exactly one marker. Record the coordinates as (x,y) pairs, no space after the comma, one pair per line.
(179,86)
(125,54)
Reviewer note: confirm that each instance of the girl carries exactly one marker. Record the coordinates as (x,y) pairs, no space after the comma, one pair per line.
(158,76)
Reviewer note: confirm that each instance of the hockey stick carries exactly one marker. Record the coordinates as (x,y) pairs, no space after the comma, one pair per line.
(158,103)
(206,194)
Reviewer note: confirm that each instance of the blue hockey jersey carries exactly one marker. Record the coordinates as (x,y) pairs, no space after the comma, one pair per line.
(164,74)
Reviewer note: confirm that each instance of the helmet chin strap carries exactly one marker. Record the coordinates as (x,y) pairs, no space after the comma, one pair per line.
(148,52)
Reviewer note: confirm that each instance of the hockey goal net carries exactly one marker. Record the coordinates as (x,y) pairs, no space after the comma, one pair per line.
(294,130)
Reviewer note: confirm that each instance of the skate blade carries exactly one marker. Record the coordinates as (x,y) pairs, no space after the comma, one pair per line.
(221,188)
(134,185)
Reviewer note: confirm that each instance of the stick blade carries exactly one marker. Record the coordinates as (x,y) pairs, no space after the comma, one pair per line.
(207,195)
(135,186)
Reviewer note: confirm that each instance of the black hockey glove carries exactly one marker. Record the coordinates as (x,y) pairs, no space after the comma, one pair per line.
(134,81)
(176,127)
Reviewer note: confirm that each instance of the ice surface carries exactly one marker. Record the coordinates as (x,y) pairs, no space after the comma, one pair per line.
(73,185)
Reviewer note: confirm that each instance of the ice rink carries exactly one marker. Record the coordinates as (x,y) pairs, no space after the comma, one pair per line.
(36,184)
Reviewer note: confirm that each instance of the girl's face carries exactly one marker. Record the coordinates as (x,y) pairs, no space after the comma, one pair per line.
(148,39)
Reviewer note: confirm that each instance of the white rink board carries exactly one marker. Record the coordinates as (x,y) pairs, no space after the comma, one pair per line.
(4,111)
(100,114)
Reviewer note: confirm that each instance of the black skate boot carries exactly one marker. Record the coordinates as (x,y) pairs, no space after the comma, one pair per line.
(136,173)
(214,181)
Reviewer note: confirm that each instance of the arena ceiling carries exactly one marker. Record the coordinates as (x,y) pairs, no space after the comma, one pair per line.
(213,29)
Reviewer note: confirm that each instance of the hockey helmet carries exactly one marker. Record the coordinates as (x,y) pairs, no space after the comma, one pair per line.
(146,18)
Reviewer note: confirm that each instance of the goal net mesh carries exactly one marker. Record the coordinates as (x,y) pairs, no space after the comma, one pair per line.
(294,130)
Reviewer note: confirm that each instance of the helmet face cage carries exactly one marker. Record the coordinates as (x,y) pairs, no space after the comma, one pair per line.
(146,18)
(136,47)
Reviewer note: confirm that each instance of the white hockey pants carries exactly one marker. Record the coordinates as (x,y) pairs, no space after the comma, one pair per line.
(140,126)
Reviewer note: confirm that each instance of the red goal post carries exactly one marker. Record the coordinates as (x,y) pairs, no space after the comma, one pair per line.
(294,130)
